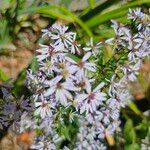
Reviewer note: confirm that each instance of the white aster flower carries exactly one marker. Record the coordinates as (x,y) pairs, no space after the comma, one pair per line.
(75,47)
(48,67)
(67,70)
(60,36)
(26,122)
(44,108)
(94,48)
(131,71)
(133,14)
(61,90)
(92,99)
(46,32)
(50,51)
(43,145)
(83,65)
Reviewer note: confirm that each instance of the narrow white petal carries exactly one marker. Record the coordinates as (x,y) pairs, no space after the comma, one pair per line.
(68,95)
(90,68)
(38,104)
(86,56)
(88,86)
(99,87)
(49,92)
(87,48)
(63,99)
(54,81)
(82,97)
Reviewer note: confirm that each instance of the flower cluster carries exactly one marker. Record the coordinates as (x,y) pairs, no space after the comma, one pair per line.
(63,79)
(66,84)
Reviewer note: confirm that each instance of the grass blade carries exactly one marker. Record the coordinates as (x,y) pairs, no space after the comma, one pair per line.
(118,12)
(77,20)
(59,12)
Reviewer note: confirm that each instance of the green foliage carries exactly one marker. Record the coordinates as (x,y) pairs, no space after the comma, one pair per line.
(66,129)
(132,147)
(75,58)
(129,132)
(114,13)
(34,64)
(136,128)
(134,108)
(3,75)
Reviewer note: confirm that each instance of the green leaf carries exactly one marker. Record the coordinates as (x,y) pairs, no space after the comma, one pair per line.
(115,13)
(105,32)
(78,20)
(4,33)
(129,132)
(108,53)
(3,75)
(134,108)
(65,132)
(53,12)
(75,58)
(89,7)
(58,12)
(132,147)
(91,3)
(34,64)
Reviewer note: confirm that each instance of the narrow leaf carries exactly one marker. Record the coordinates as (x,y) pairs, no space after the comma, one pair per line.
(134,108)
(118,12)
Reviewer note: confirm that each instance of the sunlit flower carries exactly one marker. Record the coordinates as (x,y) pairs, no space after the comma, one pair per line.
(75,47)
(83,65)
(60,36)
(50,52)
(91,99)
(43,108)
(67,70)
(61,90)
(44,145)
(130,72)
(94,48)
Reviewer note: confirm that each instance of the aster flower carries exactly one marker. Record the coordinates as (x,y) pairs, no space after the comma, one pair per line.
(83,65)
(112,85)
(60,36)
(92,99)
(43,52)
(61,90)
(67,70)
(109,130)
(75,47)
(47,67)
(26,122)
(83,82)
(130,72)
(140,18)
(94,48)
(44,108)
(85,137)
(50,51)
(35,79)
(46,32)
(44,145)
(134,13)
